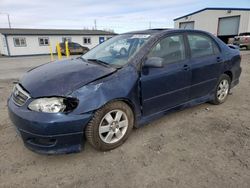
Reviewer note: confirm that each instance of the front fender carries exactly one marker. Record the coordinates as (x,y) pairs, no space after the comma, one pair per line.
(123,84)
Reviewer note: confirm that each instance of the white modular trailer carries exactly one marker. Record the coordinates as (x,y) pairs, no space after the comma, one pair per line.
(3,45)
(222,22)
(19,42)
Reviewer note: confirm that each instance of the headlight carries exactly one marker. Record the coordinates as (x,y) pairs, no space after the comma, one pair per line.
(52,105)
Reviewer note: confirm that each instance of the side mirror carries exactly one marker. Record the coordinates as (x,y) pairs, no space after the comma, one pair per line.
(155,62)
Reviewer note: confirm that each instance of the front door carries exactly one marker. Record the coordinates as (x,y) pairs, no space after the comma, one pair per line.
(71,48)
(166,87)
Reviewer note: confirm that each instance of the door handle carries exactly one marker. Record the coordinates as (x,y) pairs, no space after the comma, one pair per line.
(219,59)
(186,67)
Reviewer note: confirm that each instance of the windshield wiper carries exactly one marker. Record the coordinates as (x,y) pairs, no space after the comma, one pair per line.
(100,62)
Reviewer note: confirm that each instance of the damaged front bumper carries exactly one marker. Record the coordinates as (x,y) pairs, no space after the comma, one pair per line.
(49,133)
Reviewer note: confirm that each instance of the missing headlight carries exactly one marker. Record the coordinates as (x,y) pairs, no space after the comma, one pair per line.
(70,103)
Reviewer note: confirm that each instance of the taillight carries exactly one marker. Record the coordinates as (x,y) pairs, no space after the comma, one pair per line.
(247,39)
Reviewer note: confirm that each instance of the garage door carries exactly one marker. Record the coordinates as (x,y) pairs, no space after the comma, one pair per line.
(229,26)
(186,25)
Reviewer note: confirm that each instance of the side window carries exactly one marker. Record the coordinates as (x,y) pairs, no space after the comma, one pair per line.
(71,45)
(76,45)
(171,49)
(64,39)
(216,48)
(201,45)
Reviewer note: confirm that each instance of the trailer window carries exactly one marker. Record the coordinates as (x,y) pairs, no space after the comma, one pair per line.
(43,41)
(20,42)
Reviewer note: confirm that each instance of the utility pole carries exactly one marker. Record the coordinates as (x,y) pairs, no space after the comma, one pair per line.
(95,24)
(8,16)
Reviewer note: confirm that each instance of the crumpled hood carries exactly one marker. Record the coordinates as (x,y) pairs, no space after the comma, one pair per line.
(62,77)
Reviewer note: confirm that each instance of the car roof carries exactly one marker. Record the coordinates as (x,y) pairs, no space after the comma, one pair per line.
(149,31)
(164,30)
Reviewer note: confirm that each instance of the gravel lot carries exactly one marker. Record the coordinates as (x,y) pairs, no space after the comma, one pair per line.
(203,146)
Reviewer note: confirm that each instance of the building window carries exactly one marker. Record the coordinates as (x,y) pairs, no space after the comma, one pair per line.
(64,39)
(20,42)
(86,40)
(43,41)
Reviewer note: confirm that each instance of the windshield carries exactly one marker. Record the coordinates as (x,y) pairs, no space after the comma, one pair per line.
(118,50)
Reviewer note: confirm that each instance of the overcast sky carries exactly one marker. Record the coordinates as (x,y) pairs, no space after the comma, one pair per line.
(119,15)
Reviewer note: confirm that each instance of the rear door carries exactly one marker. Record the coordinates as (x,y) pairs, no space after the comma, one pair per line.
(206,63)
(166,87)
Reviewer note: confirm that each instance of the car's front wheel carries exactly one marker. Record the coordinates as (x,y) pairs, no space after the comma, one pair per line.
(110,126)
(222,89)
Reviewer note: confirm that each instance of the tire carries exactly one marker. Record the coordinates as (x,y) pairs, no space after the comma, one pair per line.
(104,132)
(222,90)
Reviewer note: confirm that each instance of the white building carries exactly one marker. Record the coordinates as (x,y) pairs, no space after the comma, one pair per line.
(222,22)
(18,42)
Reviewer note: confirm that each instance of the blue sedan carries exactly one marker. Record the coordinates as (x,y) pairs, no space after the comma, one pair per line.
(122,83)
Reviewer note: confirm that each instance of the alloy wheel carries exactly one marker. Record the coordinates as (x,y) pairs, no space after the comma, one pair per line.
(222,90)
(113,126)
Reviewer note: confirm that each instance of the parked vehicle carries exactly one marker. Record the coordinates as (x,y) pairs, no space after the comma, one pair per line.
(243,40)
(101,96)
(74,48)
(120,47)
(230,41)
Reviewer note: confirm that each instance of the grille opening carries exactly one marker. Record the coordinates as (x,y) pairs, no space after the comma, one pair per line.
(42,141)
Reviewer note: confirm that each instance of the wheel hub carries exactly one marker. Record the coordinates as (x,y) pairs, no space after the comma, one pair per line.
(113,126)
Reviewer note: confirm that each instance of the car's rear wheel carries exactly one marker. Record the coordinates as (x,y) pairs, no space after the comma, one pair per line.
(110,126)
(222,89)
